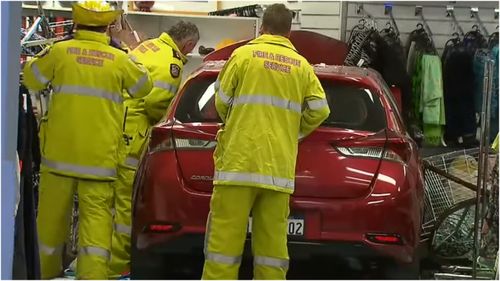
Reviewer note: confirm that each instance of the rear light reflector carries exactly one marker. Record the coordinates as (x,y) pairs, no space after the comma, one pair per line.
(370,152)
(162,227)
(385,238)
(195,144)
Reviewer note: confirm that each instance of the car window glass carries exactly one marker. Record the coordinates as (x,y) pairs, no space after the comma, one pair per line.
(352,107)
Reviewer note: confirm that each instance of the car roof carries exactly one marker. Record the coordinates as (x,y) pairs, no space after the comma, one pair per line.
(367,75)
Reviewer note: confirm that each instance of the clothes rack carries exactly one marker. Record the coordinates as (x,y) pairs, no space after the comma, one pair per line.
(474,13)
(388,11)
(451,13)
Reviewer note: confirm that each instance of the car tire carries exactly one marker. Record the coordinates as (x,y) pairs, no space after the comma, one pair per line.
(410,271)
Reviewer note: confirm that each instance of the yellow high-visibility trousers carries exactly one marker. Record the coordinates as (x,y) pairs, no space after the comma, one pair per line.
(120,245)
(95,224)
(230,208)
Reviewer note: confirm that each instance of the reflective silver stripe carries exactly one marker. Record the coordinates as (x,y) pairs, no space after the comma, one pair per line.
(50,250)
(91,92)
(254,178)
(86,170)
(124,229)
(268,100)
(225,98)
(207,234)
(317,104)
(165,86)
(274,262)
(231,260)
(96,251)
(134,89)
(39,76)
(131,161)
(133,58)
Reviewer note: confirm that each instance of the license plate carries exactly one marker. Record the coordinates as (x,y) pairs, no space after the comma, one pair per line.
(295,226)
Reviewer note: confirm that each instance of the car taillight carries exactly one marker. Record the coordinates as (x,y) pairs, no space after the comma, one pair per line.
(383,238)
(370,152)
(162,227)
(180,143)
(194,144)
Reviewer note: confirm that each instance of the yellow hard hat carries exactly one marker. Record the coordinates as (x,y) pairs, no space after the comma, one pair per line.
(94,13)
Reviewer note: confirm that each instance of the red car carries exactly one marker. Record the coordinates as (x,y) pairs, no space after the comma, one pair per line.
(359,181)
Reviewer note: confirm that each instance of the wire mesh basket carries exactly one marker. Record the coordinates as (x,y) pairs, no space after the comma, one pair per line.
(442,193)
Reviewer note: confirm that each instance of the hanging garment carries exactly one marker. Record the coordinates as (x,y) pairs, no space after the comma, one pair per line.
(432,101)
(418,43)
(389,60)
(410,60)
(357,55)
(26,259)
(494,123)
(417,90)
(458,79)
(481,57)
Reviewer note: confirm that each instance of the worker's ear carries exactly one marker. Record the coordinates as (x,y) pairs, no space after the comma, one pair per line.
(188,46)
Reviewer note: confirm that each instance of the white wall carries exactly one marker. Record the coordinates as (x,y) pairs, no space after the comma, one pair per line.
(319,16)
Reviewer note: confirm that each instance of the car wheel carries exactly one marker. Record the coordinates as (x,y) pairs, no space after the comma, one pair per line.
(410,271)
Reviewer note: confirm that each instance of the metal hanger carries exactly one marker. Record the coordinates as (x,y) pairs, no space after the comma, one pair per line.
(451,13)
(474,13)
(419,11)
(388,11)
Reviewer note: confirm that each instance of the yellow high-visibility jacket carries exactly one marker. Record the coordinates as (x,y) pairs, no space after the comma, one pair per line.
(82,131)
(268,97)
(165,63)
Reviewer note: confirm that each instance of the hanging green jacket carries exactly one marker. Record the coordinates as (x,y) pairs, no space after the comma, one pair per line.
(268,97)
(432,99)
(82,132)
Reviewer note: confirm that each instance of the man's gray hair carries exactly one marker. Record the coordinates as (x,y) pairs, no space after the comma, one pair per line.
(183,30)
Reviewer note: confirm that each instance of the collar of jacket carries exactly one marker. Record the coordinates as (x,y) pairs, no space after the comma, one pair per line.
(165,38)
(92,36)
(273,39)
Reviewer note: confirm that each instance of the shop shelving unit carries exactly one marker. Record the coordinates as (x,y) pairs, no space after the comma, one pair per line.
(213,29)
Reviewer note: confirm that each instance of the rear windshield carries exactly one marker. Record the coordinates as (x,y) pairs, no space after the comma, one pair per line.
(351,107)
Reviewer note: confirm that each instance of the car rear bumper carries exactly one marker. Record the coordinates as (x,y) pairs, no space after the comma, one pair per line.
(192,245)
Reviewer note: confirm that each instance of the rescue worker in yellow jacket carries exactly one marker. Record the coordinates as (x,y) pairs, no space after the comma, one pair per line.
(268,97)
(80,137)
(164,57)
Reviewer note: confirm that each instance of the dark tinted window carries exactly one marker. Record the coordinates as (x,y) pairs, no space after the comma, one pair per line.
(197,104)
(351,107)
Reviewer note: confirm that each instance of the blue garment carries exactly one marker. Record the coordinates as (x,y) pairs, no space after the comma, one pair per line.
(480,59)
(494,97)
